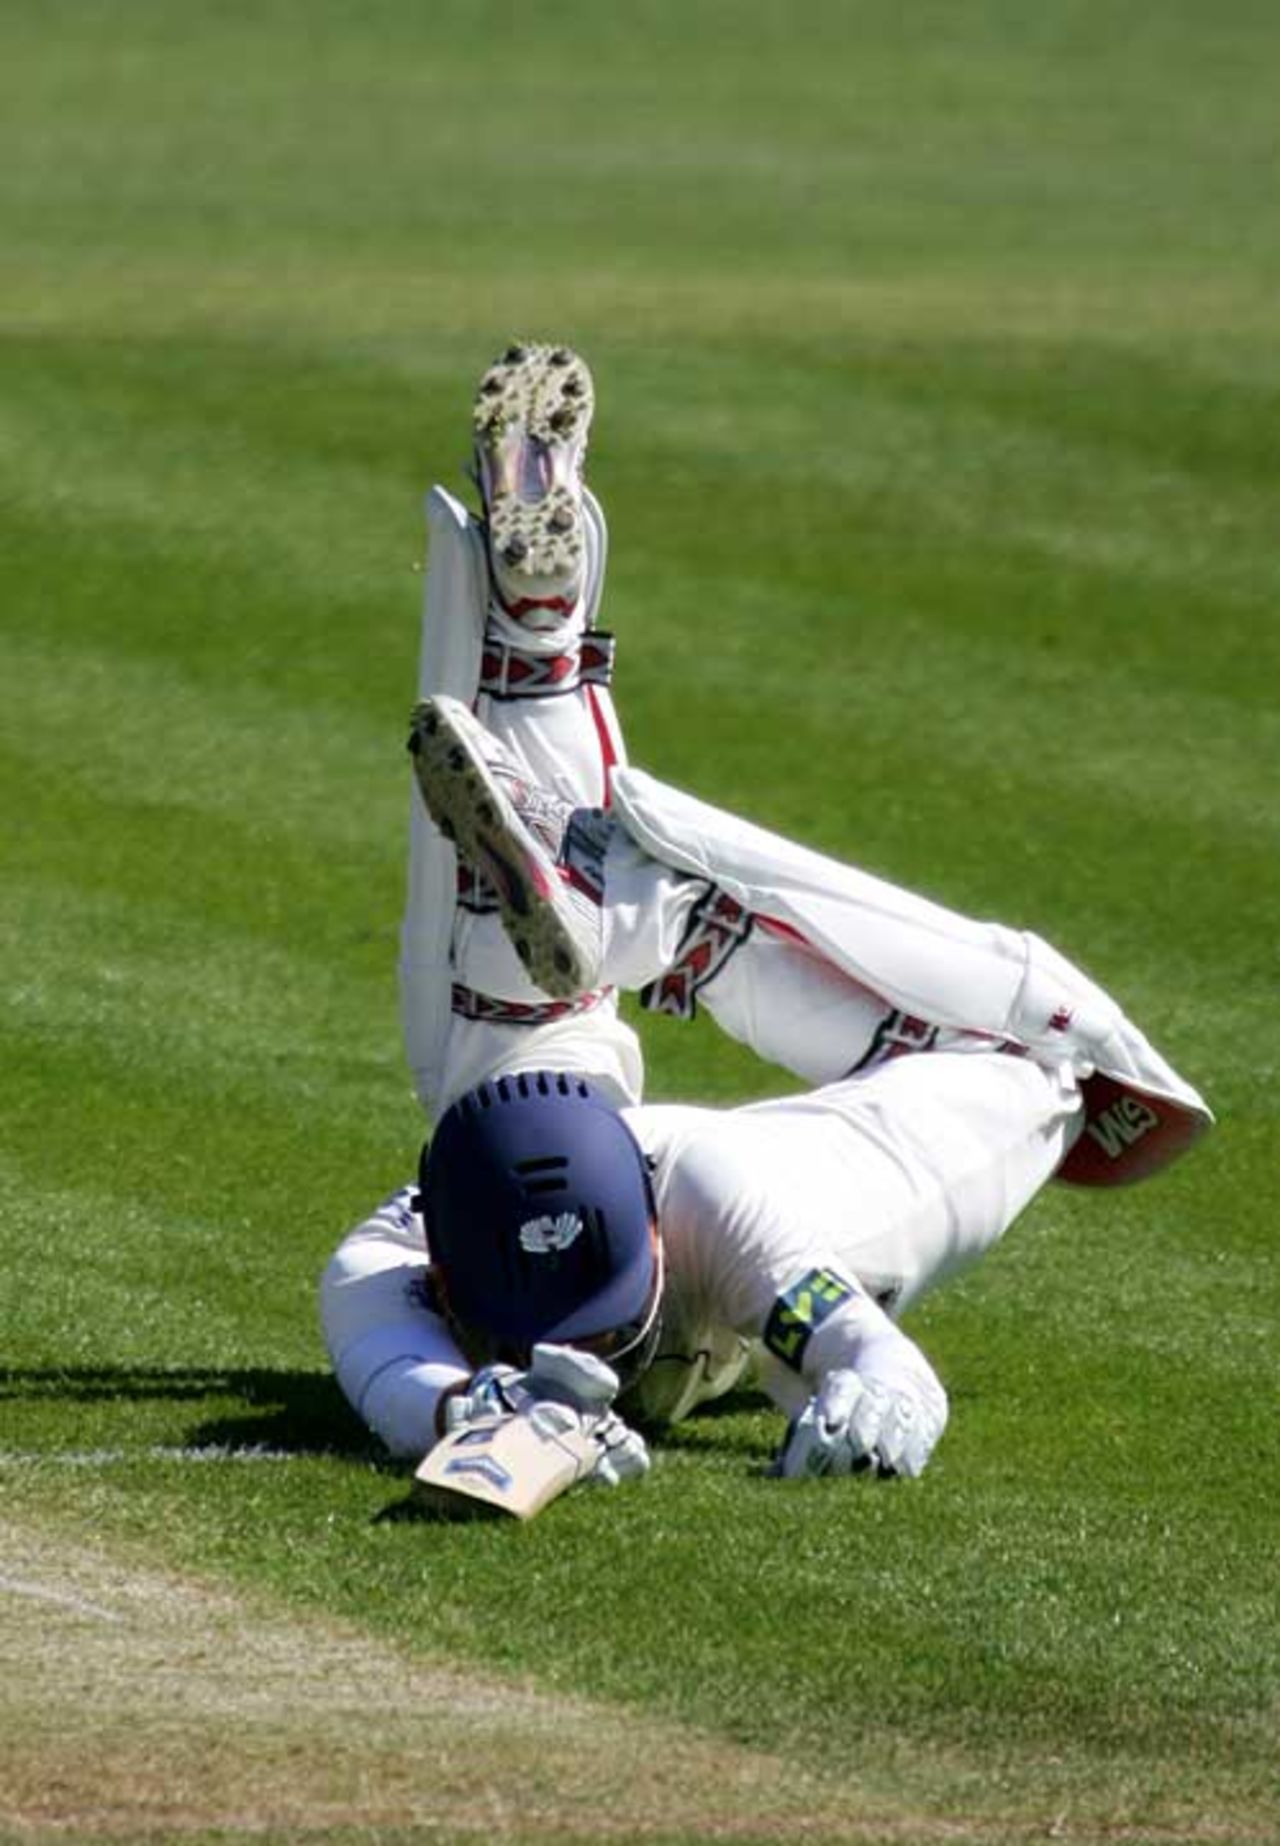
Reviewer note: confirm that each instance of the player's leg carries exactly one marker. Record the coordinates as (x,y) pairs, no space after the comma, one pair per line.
(685,945)
(821,967)
(512,601)
(934,968)
(511,633)
(584,905)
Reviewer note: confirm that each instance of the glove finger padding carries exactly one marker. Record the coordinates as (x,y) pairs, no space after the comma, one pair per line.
(853,1423)
(821,1439)
(496,1391)
(572,1377)
(901,1446)
(624,1454)
(587,1386)
(866,1429)
(563,1389)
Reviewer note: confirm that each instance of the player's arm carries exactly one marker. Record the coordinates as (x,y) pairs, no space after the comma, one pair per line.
(394,1357)
(874,1403)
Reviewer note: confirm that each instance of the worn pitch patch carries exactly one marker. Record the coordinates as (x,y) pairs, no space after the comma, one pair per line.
(136,1704)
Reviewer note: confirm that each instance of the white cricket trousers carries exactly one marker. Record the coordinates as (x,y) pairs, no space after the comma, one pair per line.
(468,1009)
(815,965)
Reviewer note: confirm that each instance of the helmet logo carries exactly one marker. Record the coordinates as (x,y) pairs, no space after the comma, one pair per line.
(543,1236)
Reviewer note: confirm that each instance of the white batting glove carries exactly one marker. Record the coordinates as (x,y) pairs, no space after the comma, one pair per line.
(493,1392)
(625,1456)
(564,1387)
(855,1424)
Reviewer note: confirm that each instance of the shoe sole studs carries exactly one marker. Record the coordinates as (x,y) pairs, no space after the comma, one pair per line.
(540,396)
(472,814)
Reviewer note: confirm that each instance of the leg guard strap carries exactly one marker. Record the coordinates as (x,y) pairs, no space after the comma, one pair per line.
(510,672)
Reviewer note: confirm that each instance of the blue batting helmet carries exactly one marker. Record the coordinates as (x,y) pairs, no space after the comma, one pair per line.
(540,1219)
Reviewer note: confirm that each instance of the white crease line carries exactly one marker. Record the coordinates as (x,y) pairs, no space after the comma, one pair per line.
(15,1586)
(100,1458)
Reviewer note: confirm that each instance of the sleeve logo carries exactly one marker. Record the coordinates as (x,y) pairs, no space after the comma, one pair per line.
(800,1310)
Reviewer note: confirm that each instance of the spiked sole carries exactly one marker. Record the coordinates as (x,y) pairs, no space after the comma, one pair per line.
(532,416)
(472,809)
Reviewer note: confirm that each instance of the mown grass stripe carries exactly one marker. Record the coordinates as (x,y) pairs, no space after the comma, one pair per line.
(938,371)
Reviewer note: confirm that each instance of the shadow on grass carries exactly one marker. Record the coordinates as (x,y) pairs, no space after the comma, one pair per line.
(300,1413)
(730,1425)
(413,1510)
(69,1410)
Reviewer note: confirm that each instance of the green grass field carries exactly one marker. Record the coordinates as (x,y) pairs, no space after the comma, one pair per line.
(939,379)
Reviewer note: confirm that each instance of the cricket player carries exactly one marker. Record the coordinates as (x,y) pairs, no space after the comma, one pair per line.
(567,1241)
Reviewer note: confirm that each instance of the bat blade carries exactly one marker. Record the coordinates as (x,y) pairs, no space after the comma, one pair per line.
(515,1464)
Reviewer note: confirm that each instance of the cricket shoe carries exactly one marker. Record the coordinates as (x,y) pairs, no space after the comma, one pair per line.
(531,418)
(510,830)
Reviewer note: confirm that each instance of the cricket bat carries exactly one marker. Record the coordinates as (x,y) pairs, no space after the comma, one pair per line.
(517,1464)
